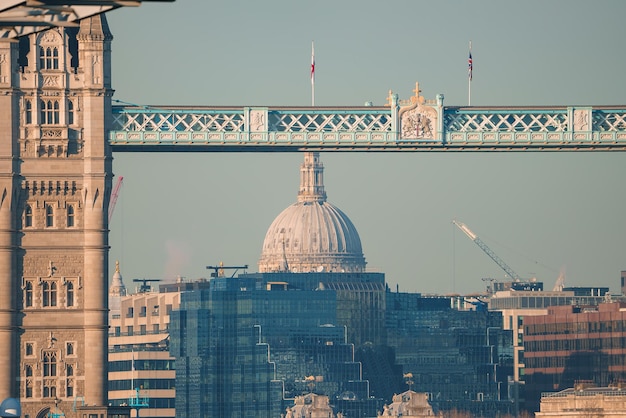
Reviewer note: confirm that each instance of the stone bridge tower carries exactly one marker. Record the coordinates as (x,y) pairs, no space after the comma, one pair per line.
(55,184)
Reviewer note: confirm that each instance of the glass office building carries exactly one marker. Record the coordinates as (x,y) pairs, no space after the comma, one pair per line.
(247,346)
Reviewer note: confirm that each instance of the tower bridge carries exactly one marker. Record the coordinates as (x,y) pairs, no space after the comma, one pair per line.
(58,133)
(412,125)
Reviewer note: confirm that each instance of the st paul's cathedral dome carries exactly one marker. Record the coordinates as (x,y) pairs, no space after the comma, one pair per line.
(312,235)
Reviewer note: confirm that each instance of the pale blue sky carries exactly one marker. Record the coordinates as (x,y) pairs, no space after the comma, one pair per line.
(540,212)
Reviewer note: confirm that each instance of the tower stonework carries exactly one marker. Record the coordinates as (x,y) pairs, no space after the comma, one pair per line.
(55,184)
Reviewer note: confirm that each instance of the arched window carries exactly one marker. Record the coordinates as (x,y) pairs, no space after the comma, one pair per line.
(70,215)
(56,112)
(49,293)
(28,372)
(49,112)
(69,387)
(42,57)
(70,112)
(49,363)
(49,58)
(49,216)
(28,216)
(70,295)
(28,294)
(55,58)
(28,112)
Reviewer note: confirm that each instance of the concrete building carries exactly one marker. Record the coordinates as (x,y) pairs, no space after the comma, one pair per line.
(573,343)
(581,401)
(140,364)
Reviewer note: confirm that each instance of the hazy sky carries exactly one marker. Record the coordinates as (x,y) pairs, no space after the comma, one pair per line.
(540,212)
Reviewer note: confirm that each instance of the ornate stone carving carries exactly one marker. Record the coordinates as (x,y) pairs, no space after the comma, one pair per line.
(417,120)
(581,120)
(257,121)
(50,81)
(49,37)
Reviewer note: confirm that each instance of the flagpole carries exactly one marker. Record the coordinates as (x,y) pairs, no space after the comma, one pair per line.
(470,69)
(312,73)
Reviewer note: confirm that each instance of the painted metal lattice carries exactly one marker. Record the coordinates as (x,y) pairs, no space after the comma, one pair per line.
(368,128)
(330,121)
(183,120)
(506,121)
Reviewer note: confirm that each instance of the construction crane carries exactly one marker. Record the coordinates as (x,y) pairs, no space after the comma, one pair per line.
(487,250)
(218,271)
(145,287)
(114,194)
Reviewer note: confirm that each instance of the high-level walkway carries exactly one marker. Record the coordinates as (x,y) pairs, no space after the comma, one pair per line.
(410,125)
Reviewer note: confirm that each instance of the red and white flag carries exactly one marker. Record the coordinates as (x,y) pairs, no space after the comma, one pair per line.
(312,63)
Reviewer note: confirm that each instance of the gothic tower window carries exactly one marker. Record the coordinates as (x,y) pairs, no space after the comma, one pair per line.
(70,298)
(28,216)
(49,58)
(49,216)
(50,112)
(49,389)
(70,215)
(70,112)
(28,300)
(28,372)
(49,293)
(28,112)
(49,363)
(69,388)
(29,349)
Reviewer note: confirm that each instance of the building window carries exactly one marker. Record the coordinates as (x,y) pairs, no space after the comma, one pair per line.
(69,301)
(28,114)
(29,349)
(49,216)
(142,330)
(49,390)
(28,216)
(49,58)
(129,330)
(49,293)
(49,363)
(70,112)
(50,112)
(70,215)
(28,294)
(69,349)
(28,371)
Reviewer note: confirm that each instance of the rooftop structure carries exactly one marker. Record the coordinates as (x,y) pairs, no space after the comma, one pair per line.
(312,235)
(582,401)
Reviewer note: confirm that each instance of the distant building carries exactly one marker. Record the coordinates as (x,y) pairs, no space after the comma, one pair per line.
(409,404)
(572,343)
(587,402)
(462,359)
(310,406)
(140,364)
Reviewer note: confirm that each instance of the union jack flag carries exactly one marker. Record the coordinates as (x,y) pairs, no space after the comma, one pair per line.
(470,66)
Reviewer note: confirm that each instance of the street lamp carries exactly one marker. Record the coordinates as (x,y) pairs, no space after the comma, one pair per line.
(10,407)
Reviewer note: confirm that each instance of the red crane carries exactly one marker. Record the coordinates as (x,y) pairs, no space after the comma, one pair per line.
(114,194)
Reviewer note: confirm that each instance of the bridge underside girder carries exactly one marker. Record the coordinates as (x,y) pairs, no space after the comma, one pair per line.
(23,17)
